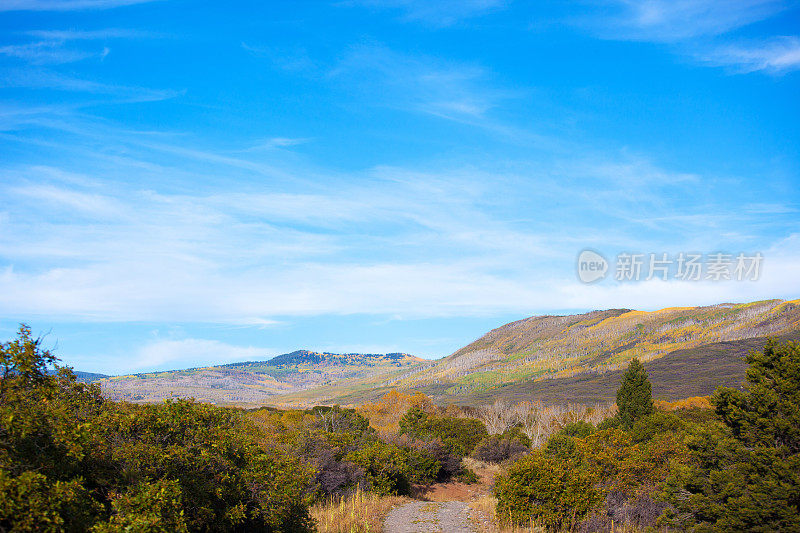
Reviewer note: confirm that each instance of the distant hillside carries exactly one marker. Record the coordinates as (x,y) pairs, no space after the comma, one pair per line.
(85,377)
(680,374)
(570,358)
(689,351)
(255,382)
(306,358)
(547,347)
(88,377)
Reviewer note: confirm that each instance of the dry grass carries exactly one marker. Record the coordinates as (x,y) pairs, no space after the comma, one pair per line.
(361,512)
(485,471)
(484,511)
(485,508)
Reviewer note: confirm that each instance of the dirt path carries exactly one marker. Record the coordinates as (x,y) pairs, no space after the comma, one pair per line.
(424,517)
(445,507)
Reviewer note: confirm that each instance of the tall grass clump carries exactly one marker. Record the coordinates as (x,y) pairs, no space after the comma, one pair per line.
(359,512)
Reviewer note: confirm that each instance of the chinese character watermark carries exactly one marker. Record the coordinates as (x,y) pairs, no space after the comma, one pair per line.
(684,266)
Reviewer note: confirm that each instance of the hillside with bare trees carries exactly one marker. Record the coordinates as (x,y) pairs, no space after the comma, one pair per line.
(551,347)
(551,359)
(578,358)
(256,382)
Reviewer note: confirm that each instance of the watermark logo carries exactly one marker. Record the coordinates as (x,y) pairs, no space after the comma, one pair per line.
(591,266)
(685,266)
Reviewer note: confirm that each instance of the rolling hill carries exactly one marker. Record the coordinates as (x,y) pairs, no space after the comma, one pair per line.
(256,382)
(547,347)
(566,358)
(690,351)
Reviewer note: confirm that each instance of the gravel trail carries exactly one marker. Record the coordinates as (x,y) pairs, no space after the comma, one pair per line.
(429,517)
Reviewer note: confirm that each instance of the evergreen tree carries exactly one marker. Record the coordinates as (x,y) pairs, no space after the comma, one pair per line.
(634,397)
(744,475)
(768,413)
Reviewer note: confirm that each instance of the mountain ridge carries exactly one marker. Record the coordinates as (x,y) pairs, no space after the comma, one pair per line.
(249,382)
(552,347)
(545,346)
(518,354)
(313,357)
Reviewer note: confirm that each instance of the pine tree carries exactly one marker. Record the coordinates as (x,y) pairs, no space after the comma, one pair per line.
(767,413)
(744,474)
(634,397)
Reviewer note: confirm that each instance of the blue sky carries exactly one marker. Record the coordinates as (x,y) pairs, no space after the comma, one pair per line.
(186,183)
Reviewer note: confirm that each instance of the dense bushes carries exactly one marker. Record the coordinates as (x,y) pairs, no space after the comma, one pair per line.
(593,476)
(386,467)
(148,506)
(603,476)
(459,435)
(449,438)
(31,502)
(499,448)
(348,454)
(547,489)
(70,461)
(737,471)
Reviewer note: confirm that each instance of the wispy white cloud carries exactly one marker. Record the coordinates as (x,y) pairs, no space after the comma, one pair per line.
(279,142)
(48,52)
(423,84)
(58,46)
(70,200)
(456,92)
(125,233)
(36,78)
(65,5)
(193,352)
(440,13)
(90,35)
(37,63)
(703,30)
(395,242)
(770,208)
(775,56)
(678,20)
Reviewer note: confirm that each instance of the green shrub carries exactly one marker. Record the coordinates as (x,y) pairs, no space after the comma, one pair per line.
(450,465)
(423,465)
(657,423)
(32,502)
(562,447)
(609,423)
(459,435)
(465,475)
(64,451)
(516,434)
(155,507)
(497,448)
(338,420)
(386,468)
(545,489)
(214,456)
(579,429)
